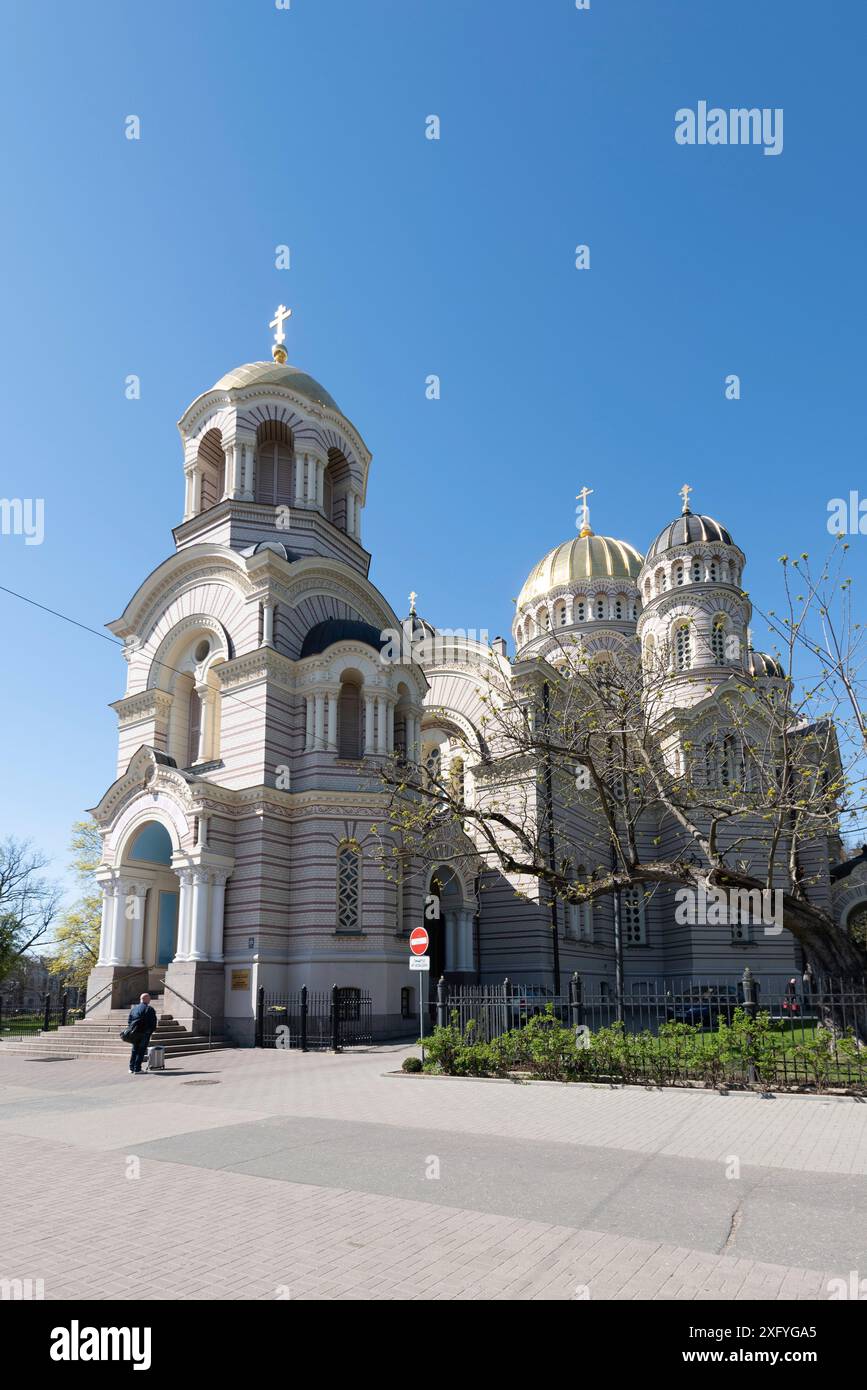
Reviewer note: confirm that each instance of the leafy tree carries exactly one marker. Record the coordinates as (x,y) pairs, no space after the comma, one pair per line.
(77,935)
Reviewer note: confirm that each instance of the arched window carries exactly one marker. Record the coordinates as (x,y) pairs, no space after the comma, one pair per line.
(531,629)
(211,462)
(433,764)
(335,496)
(560,613)
(696,571)
(348,887)
(647,587)
(632,917)
(600,606)
(634,610)
(660,581)
(713,571)
(718,642)
(194,726)
(731,762)
(683,648)
(349,737)
(546,620)
(618,608)
(152,843)
(273,482)
(578,611)
(678,573)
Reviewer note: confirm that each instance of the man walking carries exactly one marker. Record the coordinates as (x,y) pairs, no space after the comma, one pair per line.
(141,1023)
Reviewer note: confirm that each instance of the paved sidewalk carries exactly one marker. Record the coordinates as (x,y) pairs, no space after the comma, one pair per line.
(289,1176)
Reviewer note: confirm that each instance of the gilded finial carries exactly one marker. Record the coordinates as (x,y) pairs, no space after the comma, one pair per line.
(585,511)
(412,598)
(684,493)
(278,351)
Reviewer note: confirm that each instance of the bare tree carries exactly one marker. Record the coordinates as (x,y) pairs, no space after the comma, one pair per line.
(603,763)
(28,901)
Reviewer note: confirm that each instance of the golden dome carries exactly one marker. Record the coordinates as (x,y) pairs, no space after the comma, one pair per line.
(585,557)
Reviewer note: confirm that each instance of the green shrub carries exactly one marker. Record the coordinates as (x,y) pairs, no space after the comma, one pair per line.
(411,1064)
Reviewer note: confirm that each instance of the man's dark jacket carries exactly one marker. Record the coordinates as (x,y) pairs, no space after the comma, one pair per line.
(142,1021)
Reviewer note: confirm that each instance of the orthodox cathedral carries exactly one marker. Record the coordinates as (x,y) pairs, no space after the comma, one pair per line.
(241,838)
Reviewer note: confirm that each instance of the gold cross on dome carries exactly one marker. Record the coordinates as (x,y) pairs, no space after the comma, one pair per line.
(585,510)
(684,493)
(412,598)
(278,351)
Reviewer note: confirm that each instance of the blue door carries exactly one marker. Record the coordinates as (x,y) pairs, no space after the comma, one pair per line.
(167,931)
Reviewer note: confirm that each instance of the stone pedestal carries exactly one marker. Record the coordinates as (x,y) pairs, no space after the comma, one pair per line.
(115,987)
(200,983)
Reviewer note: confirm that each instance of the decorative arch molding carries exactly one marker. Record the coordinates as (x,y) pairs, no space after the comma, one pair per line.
(451,722)
(314,577)
(196,622)
(149,790)
(244,408)
(853,895)
(453,856)
(189,567)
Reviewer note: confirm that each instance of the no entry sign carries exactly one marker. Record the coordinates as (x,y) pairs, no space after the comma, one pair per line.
(418,941)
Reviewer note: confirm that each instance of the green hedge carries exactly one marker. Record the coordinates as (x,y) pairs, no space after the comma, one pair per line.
(746,1051)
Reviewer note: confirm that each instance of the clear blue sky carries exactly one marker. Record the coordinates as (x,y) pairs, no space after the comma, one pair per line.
(412,257)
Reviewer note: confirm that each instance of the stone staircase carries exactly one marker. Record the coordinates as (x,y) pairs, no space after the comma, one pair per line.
(100,1037)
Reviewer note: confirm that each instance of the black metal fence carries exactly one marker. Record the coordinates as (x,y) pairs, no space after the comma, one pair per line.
(22,1022)
(794,1030)
(329,1019)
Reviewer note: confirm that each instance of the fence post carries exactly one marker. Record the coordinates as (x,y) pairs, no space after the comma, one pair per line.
(260,1017)
(750,1007)
(507,1010)
(304,1007)
(575,1001)
(442,1006)
(64,1005)
(335,1018)
(46,1017)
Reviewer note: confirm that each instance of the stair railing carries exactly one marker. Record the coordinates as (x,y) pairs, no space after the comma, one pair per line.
(172,990)
(98,998)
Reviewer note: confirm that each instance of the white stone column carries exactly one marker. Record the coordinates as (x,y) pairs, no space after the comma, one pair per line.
(120,924)
(236,484)
(310,494)
(319,720)
(185,903)
(332,721)
(267,624)
(389,739)
(109,890)
(199,914)
(218,904)
(207,698)
(300,462)
(412,730)
(320,484)
(465,940)
(308,730)
(249,464)
(380,724)
(368,724)
(197,491)
(451,940)
(134,911)
(188,493)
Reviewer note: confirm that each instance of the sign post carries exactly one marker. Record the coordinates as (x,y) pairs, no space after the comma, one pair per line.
(420,960)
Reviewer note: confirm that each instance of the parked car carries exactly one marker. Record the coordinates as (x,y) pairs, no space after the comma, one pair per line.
(706,1004)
